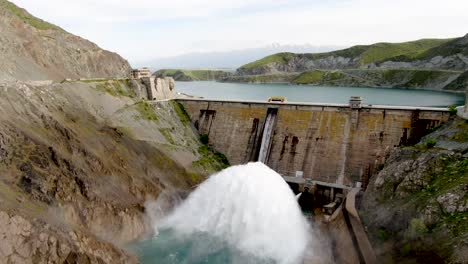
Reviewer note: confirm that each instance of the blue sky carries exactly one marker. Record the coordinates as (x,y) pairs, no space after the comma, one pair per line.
(145,29)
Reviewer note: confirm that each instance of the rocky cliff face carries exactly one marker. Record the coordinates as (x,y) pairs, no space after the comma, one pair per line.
(387,78)
(35,241)
(398,78)
(79,161)
(32,49)
(416,208)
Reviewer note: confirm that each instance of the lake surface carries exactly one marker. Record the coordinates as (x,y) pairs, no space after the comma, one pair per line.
(319,94)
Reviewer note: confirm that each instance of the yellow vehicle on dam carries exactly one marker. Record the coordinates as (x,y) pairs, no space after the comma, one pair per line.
(277,99)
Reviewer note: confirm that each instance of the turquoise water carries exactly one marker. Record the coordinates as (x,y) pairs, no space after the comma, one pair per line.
(319,94)
(168,247)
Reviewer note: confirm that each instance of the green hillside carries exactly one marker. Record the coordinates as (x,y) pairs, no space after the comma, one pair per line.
(26,17)
(378,52)
(458,45)
(192,75)
(383,51)
(282,57)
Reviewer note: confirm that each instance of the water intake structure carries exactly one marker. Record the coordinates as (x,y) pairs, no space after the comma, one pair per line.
(243,214)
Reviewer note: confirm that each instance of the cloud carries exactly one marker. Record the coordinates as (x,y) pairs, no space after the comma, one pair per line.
(143,29)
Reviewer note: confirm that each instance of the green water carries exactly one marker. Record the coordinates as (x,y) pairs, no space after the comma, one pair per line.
(168,247)
(319,94)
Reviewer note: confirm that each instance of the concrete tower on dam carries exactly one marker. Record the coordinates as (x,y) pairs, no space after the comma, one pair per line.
(334,143)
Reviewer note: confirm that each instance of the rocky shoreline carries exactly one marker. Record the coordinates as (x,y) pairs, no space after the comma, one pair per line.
(447,81)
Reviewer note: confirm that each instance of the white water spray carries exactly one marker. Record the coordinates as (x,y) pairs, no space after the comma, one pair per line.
(251,208)
(266,137)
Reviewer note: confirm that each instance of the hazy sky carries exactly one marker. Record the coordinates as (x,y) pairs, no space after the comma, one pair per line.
(144,29)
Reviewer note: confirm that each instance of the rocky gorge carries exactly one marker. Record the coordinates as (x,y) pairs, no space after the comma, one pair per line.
(84,156)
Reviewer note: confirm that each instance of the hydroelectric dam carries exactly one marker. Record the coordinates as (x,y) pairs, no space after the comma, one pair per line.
(329,151)
(341,144)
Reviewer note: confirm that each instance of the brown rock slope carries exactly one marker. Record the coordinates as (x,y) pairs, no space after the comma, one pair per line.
(32,49)
(416,208)
(78,162)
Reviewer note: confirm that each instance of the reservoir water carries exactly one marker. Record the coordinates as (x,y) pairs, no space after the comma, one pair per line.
(319,94)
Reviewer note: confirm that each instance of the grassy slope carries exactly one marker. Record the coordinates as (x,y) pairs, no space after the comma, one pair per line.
(451,47)
(384,51)
(33,49)
(192,75)
(282,57)
(310,77)
(369,53)
(26,17)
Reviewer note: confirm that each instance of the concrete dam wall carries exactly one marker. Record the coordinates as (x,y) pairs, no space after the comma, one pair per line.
(334,143)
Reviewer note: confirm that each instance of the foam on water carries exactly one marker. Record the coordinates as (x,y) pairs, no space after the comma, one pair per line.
(248,207)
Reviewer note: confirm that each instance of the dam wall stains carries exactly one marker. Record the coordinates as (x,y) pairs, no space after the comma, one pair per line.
(331,143)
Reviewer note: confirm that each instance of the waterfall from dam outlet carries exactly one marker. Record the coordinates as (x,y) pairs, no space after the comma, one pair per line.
(266,137)
(243,214)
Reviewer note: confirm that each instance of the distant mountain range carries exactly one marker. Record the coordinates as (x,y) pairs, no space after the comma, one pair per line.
(227,59)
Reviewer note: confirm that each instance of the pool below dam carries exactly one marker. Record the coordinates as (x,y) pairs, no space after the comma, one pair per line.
(243,214)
